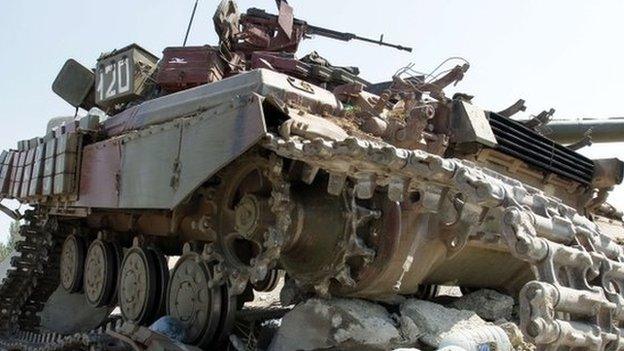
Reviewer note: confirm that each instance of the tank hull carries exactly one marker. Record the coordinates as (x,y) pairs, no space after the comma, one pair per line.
(263,172)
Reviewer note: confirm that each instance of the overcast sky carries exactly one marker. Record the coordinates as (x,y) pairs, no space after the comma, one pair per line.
(562,54)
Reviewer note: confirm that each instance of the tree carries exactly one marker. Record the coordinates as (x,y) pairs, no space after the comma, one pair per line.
(6,249)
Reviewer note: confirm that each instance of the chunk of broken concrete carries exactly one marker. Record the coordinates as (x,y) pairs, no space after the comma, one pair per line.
(346,324)
(487,304)
(484,337)
(435,321)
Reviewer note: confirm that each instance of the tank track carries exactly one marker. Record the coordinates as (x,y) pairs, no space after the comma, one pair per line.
(115,336)
(29,283)
(33,276)
(32,341)
(576,300)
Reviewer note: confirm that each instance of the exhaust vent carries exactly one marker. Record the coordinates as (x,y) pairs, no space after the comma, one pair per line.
(519,141)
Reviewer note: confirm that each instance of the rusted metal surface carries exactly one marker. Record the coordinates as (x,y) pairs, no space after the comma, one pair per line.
(182,68)
(264,162)
(133,166)
(196,100)
(100,174)
(526,225)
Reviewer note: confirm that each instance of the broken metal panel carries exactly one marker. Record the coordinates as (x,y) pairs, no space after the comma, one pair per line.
(89,123)
(100,172)
(214,139)
(162,165)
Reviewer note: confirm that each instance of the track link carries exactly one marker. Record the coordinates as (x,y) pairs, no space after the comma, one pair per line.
(575,302)
(33,275)
(577,298)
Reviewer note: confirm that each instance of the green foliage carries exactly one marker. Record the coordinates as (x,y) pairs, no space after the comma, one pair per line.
(6,248)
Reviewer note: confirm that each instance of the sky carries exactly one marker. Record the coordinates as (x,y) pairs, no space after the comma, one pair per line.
(557,54)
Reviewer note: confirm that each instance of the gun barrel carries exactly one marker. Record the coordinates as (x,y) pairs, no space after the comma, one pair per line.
(329,33)
(333,34)
(605,130)
(324,32)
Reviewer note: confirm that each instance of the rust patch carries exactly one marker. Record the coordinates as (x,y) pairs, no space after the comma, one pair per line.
(99,181)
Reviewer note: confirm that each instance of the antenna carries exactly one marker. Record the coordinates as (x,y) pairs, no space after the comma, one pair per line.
(188,30)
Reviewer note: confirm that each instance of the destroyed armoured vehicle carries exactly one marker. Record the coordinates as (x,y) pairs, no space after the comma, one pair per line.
(246,162)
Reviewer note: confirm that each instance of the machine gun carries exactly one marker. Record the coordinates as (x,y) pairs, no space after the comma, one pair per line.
(257,30)
(259,15)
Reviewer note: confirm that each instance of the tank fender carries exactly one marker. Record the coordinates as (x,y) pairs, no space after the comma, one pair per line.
(158,167)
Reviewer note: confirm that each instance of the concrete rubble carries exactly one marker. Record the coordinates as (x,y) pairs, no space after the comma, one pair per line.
(351,324)
(436,320)
(347,324)
(487,304)
(516,337)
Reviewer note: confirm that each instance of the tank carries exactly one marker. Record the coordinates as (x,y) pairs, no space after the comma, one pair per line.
(246,161)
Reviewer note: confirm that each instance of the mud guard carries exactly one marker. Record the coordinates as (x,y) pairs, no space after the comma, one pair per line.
(159,166)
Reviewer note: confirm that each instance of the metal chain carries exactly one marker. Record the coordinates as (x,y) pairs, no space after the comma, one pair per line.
(578,269)
(28,284)
(535,227)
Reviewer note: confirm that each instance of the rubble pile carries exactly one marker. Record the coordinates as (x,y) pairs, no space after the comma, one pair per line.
(347,324)
(481,320)
(487,304)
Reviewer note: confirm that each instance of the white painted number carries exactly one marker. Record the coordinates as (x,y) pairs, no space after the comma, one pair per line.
(113,79)
(100,86)
(111,91)
(123,71)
